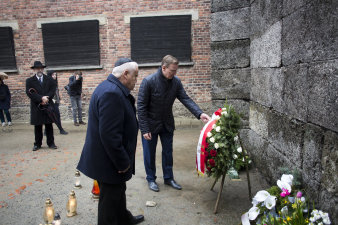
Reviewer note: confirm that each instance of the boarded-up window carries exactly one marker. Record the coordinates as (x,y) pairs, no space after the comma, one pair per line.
(71,43)
(7,53)
(154,37)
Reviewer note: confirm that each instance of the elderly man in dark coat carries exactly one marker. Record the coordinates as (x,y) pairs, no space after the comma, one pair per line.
(40,88)
(156,97)
(108,155)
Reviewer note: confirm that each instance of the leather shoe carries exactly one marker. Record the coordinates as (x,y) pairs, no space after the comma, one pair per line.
(83,123)
(53,146)
(153,186)
(76,124)
(137,219)
(36,147)
(63,132)
(173,184)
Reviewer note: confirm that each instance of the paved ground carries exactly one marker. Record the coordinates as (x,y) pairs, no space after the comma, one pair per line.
(27,178)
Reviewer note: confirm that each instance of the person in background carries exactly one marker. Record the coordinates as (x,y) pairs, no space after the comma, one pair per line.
(108,154)
(156,97)
(5,101)
(75,91)
(40,88)
(56,101)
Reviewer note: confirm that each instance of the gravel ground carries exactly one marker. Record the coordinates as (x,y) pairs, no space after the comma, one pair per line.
(28,178)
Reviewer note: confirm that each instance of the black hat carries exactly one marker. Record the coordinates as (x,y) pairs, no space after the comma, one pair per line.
(38,64)
(121,61)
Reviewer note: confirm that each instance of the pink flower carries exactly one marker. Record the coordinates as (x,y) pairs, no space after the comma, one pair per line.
(299,194)
(285,192)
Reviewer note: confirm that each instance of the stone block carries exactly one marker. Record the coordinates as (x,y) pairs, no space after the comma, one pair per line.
(310,33)
(323,92)
(263,14)
(223,5)
(289,6)
(267,87)
(296,90)
(258,120)
(328,202)
(230,83)
(329,162)
(265,49)
(312,154)
(230,54)
(286,136)
(230,25)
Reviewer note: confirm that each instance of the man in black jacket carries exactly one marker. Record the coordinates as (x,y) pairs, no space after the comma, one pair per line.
(75,91)
(108,154)
(156,97)
(41,89)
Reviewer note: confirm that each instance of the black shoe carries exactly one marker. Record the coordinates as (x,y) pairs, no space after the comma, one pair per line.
(137,219)
(63,132)
(53,146)
(153,186)
(36,147)
(82,123)
(76,124)
(173,184)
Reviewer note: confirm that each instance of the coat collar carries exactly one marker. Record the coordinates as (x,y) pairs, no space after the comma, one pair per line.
(116,81)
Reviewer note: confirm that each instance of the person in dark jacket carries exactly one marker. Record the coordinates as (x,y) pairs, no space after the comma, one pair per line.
(108,154)
(75,91)
(56,100)
(5,102)
(156,96)
(40,88)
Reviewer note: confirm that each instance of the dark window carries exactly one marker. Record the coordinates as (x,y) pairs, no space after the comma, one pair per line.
(154,37)
(7,55)
(71,43)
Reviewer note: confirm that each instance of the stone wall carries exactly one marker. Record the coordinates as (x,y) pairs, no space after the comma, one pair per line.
(114,36)
(281,59)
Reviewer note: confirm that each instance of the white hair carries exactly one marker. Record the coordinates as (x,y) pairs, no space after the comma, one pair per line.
(130,66)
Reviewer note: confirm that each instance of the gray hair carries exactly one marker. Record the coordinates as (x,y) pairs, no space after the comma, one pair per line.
(130,66)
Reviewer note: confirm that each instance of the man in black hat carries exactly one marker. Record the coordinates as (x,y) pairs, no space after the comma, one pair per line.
(108,154)
(41,89)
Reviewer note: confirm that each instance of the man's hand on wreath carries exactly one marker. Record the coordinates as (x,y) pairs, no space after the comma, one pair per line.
(205,118)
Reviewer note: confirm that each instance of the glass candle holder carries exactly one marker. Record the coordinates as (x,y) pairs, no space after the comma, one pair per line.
(48,215)
(71,205)
(95,190)
(77,180)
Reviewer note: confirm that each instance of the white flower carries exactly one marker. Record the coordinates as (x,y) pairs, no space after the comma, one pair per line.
(326,220)
(245,219)
(243,159)
(288,178)
(209,134)
(224,109)
(224,113)
(218,129)
(302,199)
(212,140)
(284,210)
(236,138)
(284,185)
(216,145)
(253,213)
(261,196)
(213,126)
(239,149)
(320,223)
(270,202)
(217,117)
(235,156)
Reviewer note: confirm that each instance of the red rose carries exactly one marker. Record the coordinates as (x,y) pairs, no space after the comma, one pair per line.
(206,154)
(218,112)
(212,162)
(213,152)
(208,168)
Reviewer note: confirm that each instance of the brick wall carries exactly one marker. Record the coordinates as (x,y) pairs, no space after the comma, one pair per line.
(114,43)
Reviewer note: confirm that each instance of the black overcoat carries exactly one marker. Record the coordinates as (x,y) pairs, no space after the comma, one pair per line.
(6,103)
(38,116)
(111,138)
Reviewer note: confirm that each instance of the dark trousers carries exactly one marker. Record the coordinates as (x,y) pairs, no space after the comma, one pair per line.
(112,208)
(149,155)
(39,136)
(8,116)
